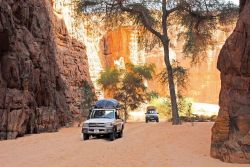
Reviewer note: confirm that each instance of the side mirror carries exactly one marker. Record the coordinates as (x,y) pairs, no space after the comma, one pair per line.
(117,116)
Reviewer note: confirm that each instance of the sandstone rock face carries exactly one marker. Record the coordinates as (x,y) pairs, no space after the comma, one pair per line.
(121,46)
(231,131)
(41,69)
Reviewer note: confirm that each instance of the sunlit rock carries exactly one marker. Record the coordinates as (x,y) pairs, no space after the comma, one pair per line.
(231,131)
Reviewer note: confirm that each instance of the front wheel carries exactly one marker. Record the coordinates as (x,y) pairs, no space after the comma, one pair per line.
(120,134)
(85,136)
(98,136)
(112,136)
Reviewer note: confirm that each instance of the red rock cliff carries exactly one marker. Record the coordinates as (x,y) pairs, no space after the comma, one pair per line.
(231,131)
(41,69)
(204,78)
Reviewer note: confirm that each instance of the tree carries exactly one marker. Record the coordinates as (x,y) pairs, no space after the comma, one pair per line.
(109,79)
(180,75)
(129,88)
(198,19)
(132,91)
(88,96)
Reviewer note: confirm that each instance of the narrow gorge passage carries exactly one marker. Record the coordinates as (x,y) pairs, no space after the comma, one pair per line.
(152,144)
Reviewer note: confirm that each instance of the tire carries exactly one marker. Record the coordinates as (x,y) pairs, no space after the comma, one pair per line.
(112,136)
(120,134)
(157,120)
(146,121)
(85,136)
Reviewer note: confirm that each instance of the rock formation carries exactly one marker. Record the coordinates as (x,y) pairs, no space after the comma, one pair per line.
(41,69)
(122,44)
(231,131)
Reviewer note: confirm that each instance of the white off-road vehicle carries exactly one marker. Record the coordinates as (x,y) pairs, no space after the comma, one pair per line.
(104,120)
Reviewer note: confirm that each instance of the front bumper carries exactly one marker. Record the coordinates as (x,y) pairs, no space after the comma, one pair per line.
(151,118)
(97,130)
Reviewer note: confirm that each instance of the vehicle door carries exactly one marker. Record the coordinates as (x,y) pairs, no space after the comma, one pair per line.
(118,121)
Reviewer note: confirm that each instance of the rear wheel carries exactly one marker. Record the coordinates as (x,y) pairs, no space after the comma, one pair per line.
(85,136)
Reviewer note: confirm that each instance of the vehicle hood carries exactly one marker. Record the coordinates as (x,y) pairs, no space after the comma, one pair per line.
(99,120)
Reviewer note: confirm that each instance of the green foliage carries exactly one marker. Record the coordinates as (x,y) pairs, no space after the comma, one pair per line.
(163,106)
(185,106)
(144,71)
(199,20)
(109,79)
(180,75)
(132,91)
(153,95)
(128,85)
(88,97)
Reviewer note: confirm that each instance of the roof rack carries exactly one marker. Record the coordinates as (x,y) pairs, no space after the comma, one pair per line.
(107,103)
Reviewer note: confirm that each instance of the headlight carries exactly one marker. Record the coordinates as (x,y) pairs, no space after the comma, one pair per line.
(85,125)
(109,124)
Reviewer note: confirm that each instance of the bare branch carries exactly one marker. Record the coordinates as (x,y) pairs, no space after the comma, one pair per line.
(143,16)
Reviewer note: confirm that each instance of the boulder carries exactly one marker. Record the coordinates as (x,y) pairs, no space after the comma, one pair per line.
(231,131)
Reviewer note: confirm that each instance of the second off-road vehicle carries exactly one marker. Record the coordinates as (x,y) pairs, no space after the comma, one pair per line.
(151,114)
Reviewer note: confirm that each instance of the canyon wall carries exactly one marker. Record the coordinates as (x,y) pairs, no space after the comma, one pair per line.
(81,29)
(120,46)
(204,78)
(42,68)
(231,131)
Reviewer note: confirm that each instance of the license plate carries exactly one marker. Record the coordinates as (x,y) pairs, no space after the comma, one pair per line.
(96,130)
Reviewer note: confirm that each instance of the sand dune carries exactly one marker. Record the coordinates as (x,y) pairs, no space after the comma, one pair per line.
(143,145)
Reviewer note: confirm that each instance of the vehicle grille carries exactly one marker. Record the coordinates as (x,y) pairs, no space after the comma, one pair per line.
(96,125)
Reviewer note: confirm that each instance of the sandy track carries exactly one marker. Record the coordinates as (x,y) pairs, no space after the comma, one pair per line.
(143,145)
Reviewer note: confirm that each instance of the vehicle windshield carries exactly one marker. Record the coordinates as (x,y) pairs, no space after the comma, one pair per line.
(151,112)
(103,114)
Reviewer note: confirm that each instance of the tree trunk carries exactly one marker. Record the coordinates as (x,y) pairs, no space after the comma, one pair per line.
(175,114)
(125,110)
(126,114)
